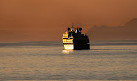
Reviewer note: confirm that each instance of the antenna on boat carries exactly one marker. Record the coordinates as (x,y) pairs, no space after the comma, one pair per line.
(72,27)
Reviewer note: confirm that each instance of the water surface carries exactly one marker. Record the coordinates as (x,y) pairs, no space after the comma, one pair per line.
(111,60)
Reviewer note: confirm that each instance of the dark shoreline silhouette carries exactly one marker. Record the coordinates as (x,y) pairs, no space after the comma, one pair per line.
(126,32)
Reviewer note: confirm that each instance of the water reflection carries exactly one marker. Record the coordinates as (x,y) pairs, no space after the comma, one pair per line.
(67,51)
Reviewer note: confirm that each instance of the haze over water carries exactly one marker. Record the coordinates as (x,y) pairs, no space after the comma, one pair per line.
(111,60)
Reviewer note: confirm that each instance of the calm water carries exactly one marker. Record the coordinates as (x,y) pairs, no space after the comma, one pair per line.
(111,60)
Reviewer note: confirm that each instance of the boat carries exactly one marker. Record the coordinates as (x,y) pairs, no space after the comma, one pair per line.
(74,39)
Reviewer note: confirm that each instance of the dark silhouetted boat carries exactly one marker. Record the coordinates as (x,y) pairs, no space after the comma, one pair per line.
(74,39)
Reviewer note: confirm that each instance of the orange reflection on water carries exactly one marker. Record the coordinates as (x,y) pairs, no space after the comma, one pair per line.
(67,51)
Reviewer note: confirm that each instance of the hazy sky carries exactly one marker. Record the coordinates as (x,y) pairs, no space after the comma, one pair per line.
(40,20)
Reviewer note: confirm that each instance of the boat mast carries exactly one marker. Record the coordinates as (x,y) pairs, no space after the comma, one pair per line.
(72,27)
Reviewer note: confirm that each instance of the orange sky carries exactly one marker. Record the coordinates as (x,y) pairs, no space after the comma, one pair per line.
(46,20)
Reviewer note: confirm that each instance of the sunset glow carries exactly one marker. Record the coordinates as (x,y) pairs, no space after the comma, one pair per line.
(46,20)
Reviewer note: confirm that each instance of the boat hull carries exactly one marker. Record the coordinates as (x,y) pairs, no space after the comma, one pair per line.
(68,46)
(77,46)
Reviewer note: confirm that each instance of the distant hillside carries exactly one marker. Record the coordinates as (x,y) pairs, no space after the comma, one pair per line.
(6,35)
(126,32)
